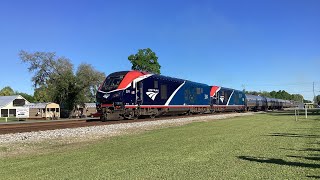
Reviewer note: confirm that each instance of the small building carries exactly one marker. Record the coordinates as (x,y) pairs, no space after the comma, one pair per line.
(13,106)
(43,110)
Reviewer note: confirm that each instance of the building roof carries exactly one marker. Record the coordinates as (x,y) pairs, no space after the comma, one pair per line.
(36,105)
(40,105)
(5,100)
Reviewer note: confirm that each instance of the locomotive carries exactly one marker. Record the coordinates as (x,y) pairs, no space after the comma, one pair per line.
(133,94)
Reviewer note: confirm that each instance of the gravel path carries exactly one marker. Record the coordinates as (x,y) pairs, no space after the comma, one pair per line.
(106,130)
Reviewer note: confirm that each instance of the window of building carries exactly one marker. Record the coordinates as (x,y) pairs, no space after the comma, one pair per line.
(4,112)
(12,113)
(163,90)
(19,102)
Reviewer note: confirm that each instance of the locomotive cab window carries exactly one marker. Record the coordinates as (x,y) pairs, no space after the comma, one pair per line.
(163,90)
(111,83)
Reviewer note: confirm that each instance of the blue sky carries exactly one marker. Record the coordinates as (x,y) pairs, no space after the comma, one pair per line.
(256,44)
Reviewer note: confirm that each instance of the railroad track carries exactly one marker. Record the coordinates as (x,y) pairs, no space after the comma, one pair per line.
(52,125)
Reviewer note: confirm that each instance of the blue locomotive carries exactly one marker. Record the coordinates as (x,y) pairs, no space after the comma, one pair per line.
(132,94)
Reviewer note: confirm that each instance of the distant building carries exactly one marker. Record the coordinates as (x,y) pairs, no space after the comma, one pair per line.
(13,106)
(17,106)
(43,110)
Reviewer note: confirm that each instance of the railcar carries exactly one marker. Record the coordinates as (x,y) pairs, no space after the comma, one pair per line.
(256,103)
(226,99)
(130,94)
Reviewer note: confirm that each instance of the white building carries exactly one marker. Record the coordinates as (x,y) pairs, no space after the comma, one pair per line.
(43,110)
(13,106)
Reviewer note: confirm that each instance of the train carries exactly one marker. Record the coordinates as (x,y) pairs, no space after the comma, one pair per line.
(134,94)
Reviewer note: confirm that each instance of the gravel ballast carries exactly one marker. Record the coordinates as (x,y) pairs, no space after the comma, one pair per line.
(106,130)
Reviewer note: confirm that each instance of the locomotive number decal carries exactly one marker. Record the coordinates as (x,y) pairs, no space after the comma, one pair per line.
(152,93)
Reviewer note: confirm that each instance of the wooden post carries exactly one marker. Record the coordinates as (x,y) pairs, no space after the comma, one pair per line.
(306,112)
(295,114)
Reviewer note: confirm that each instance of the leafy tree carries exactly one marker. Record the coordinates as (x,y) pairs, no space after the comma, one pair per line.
(281,94)
(145,60)
(41,94)
(297,97)
(6,91)
(317,100)
(55,80)
(306,101)
(28,97)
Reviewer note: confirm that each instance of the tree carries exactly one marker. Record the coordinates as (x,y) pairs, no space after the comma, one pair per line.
(145,60)
(55,80)
(28,97)
(6,91)
(41,94)
(317,100)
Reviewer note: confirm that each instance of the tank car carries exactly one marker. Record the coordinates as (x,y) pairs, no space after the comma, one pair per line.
(256,103)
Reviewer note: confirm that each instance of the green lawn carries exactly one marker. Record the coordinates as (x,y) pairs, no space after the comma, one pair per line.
(9,119)
(264,146)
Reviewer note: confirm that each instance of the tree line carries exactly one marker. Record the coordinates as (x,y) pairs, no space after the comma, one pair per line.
(282,94)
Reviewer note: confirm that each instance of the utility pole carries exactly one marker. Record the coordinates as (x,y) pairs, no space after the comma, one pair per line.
(314,95)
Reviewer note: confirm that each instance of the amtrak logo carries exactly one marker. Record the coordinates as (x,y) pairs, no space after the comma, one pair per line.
(152,93)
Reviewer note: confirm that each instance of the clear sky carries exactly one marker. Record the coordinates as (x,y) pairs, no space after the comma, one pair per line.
(256,44)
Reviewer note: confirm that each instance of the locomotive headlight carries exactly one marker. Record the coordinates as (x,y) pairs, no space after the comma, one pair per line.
(106,96)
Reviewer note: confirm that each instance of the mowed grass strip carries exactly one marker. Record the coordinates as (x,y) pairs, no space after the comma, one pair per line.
(263,146)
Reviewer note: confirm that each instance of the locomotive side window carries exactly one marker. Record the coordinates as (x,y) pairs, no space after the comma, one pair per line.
(198,91)
(236,98)
(226,97)
(156,86)
(163,90)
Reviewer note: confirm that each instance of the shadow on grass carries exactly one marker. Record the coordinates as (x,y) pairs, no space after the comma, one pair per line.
(294,135)
(315,177)
(306,149)
(314,158)
(278,162)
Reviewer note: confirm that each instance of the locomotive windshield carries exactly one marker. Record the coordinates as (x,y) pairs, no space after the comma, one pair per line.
(111,83)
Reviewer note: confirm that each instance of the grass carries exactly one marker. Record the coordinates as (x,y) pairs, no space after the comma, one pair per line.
(264,146)
(9,119)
